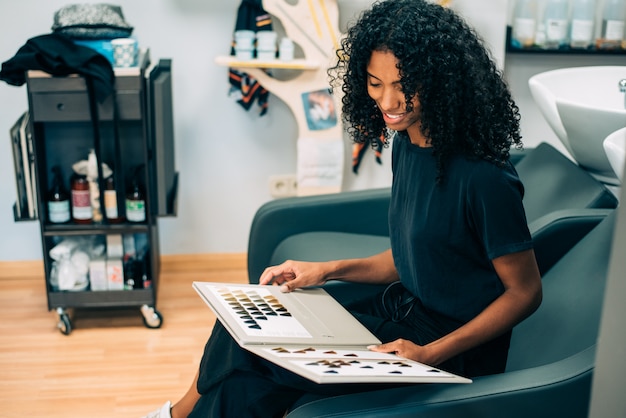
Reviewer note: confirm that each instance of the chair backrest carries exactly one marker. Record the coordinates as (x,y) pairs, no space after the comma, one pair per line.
(568,319)
(554,182)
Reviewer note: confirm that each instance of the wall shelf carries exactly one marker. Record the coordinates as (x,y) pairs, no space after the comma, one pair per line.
(510,48)
(296,64)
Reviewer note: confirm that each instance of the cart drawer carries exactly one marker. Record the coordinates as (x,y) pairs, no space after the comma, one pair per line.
(41,82)
(102,299)
(74,106)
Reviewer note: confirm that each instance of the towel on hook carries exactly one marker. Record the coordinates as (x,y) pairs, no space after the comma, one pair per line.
(244,88)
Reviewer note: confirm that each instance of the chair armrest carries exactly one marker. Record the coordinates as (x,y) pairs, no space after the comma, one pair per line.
(359,212)
(556,389)
(556,233)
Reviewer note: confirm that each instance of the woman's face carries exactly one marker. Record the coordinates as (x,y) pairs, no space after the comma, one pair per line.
(383,86)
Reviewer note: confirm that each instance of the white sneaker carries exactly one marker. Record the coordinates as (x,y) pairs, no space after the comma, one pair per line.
(162,412)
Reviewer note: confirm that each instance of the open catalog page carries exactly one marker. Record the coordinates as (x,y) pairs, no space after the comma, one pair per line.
(308,332)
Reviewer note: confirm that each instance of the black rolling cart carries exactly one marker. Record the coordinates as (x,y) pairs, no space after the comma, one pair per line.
(135,138)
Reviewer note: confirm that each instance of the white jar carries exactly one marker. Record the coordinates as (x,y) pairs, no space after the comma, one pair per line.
(285,49)
(266,40)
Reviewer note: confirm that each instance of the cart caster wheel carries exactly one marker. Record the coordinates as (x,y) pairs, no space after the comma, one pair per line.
(64,324)
(151,317)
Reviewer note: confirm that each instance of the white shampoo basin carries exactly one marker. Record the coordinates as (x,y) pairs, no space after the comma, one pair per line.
(583,105)
(615,148)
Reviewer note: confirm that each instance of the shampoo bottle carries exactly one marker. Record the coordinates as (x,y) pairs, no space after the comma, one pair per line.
(524,23)
(555,20)
(612,30)
(583,17)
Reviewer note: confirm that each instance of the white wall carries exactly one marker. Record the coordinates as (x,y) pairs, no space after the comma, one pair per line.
(224,154)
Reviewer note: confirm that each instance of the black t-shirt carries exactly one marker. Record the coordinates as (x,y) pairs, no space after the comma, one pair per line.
(443,237)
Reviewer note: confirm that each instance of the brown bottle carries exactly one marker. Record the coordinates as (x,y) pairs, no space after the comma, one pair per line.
(81,203)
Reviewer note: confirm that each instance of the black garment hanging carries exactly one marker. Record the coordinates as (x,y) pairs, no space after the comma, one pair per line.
(245,88)
(58,55)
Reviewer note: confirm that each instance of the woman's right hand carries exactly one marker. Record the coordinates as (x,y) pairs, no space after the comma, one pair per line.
(292,275)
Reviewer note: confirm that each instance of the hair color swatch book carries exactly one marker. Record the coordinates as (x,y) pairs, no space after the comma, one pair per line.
(308,332)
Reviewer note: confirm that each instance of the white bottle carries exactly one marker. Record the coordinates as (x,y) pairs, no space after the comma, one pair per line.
(555,20)
(613,18)
(286,49)
(583,17)
(524,23)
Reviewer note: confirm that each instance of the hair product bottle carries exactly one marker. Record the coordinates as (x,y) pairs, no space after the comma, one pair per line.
(110,200)
(524,23)
(612,30)
(81,201)
(135,200)
(556,22)
(583,18)
(58,199)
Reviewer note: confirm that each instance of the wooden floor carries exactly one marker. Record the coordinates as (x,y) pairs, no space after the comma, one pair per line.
(110,365)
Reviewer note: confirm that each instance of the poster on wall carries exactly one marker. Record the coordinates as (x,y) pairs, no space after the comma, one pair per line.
(319,109)
(320,165)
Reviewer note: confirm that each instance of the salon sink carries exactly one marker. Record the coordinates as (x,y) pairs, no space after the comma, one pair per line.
(615,148)
(583,105)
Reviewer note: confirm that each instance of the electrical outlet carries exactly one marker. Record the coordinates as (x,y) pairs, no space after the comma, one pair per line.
(283,185)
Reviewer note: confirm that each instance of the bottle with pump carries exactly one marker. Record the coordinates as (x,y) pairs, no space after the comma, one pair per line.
(58,199)
(583,18)
(81,200)
(612,31)
(135,200)
(556,23)
(524,23)
(94,187)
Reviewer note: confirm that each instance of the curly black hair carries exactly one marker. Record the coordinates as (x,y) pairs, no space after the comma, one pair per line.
(466,106)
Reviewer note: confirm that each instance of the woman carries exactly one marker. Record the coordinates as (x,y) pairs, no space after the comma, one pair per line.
(461,270)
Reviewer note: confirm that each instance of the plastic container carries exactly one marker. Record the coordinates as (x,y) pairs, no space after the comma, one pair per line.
(244,44)
(266,45)
(582,25)
(102,46)
(555,18)
(286,49)
(612,31)
(524,23)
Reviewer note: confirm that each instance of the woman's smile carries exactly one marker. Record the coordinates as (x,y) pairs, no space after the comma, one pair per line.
(391,118)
